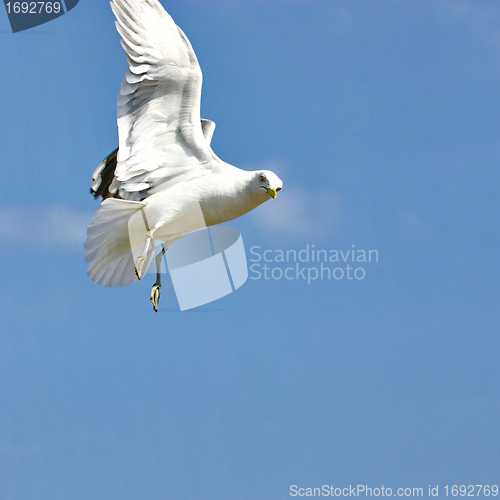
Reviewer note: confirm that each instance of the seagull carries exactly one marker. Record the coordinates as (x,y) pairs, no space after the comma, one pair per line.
(164,172)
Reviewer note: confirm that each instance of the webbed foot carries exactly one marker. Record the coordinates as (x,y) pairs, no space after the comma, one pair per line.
(155,296)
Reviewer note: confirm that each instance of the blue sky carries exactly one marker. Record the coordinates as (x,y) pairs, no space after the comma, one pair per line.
(383,119)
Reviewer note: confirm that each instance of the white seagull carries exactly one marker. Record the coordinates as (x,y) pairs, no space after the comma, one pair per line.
(164,167)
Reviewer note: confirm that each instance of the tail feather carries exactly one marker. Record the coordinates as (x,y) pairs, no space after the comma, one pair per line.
(123,270)
(108,245)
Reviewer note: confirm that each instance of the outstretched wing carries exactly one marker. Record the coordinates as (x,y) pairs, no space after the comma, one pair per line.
(104,174)
(161,140)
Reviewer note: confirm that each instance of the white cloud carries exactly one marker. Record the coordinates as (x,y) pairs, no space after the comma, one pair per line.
(44,227)
(297,211)
(300,213)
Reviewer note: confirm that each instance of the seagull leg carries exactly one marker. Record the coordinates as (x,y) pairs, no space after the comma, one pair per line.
(142,258)
(155,291)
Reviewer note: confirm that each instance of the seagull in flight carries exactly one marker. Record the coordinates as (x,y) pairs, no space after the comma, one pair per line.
(164,170)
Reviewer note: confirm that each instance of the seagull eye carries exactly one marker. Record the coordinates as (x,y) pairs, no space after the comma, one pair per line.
(262,178)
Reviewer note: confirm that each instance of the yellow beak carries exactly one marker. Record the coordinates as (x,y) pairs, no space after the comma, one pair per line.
(272,193)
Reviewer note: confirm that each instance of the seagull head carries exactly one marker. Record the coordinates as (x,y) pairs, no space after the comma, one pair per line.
(267,183)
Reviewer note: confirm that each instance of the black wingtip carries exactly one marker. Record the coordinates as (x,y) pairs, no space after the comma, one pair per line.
(106,175)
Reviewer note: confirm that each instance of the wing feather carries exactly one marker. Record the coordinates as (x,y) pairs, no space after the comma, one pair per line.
(161,140)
